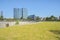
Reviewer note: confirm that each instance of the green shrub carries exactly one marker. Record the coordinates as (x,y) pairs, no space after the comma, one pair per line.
(17,22)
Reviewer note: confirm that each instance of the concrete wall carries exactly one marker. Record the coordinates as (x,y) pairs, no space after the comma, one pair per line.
(3,24)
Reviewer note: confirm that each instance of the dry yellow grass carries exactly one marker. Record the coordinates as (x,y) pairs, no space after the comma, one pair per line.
(39,31)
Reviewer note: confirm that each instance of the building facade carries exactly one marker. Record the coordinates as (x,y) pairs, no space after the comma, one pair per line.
(32,17)
(20,13)
(59,17)
(24,13)
(1,13)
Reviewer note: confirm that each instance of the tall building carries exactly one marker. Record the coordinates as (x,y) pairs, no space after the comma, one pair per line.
(17,14)
(20,13)
(1,13)
(59,17)
(24,13)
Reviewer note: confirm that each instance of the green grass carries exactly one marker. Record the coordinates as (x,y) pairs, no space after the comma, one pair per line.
(39,31)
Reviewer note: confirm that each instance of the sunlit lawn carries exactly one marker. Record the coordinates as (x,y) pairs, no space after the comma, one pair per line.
(39,31)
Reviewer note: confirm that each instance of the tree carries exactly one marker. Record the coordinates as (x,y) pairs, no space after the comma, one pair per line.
(29,19)
(51,18)
(37,18)
(1,17)
(47,18)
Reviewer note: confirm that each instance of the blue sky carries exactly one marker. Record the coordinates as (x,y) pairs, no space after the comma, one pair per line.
(42,8)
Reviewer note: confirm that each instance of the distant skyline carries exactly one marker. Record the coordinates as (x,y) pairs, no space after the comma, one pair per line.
(42,8)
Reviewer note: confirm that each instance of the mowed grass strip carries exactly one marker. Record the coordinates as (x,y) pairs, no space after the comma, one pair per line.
(38,31)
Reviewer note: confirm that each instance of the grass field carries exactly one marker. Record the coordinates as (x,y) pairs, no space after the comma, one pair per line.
(39,31)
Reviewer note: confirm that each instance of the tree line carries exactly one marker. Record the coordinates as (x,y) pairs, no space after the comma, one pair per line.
(35,18)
